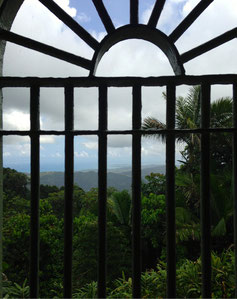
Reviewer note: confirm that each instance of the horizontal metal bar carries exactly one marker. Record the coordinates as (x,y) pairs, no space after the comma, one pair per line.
(118,132)
(45,49)
(105,18)
(188,21)
(117,81)
(215,42)
(156,12)
(71,23)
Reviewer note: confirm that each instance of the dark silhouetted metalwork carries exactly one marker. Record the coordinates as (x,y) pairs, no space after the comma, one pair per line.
(166,43)
(205,192)
(68,196)
(170,193)
(35,192)
(136,191)
(102,183)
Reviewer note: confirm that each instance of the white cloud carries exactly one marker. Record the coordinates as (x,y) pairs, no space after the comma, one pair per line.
(134,58)
(65,5)
(47,139)
(57,155)
(6,154)
(91,145)
(82,154)
(24,149)
(83,18)
(114,153)
(16,120)
(188,6)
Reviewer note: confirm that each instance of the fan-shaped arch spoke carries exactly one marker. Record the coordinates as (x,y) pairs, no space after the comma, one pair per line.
(219,40)
(71,23)
(156,12)
(105,18)
(45,49)
(191,17)
(134,8)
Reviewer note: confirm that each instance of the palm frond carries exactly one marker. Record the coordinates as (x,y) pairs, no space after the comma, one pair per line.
(221,113)
(152,123)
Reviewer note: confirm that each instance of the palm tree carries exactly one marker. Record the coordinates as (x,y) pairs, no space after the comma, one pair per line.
(119,204)
(188,116)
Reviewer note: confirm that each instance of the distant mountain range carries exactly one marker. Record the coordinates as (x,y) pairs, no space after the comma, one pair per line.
(119,178)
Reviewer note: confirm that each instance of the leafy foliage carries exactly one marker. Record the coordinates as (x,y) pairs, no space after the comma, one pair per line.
(188,116)
(187,225)
(15,183)
(14,290)
(155,183)
(85,250)
(88,291)
(153,218)
(119,204)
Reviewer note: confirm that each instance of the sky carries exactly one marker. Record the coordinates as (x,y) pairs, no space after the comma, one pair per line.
(131,57)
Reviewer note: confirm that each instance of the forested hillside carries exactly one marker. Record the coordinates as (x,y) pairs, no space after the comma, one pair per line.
(119,178)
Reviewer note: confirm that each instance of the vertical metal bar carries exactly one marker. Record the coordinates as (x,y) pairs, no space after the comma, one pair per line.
(205,193)
(102,183)
(136,192)
(170,193)
(1,195)
(235,177)
(68,196)
(134,12)
(35,191)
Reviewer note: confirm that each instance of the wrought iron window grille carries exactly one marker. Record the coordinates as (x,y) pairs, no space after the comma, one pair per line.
(166,43)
